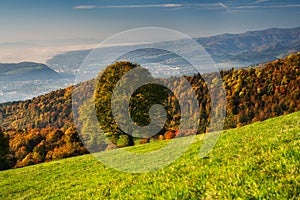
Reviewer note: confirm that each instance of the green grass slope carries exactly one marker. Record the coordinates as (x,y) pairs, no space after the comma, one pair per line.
(258,161)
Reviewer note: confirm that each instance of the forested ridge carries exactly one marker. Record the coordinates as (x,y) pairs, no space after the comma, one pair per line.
(42,129)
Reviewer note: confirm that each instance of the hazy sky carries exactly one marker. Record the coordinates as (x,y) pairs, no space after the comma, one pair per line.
(29,26)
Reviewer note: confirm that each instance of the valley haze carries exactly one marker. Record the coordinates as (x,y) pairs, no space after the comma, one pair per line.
(227,50)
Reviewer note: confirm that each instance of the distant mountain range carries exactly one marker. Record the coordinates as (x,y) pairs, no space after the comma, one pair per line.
(26,80)
(254,46)
(227,50)
(26,71)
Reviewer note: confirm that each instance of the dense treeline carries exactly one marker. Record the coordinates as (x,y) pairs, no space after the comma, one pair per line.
(42,129)
(4,151)
(34,146)
(50,110)
(261,93)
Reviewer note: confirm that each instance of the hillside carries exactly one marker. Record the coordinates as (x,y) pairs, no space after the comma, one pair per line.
(253,46)
(226,50)
(26,71)
(257,161)
(277,82)
(42,129)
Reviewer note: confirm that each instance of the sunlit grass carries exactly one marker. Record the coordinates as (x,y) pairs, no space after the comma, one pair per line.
(258,161)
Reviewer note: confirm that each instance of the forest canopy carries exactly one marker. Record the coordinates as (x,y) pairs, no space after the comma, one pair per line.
(42,129)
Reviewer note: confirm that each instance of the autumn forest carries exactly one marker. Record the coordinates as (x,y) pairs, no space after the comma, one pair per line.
(42,129)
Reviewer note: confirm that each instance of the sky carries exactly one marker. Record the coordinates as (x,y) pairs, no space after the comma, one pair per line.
(35,30)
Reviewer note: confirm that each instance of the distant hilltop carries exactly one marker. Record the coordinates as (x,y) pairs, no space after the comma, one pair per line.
(26,71)
(227,51)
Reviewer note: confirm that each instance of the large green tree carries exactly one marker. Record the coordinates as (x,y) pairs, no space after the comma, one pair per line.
(140,101)
(106,82)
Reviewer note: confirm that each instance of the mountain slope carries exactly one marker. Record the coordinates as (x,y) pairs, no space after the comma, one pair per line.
(277,84)
(26,71)
(252,94)
(253,46)
(258,161)
(227,50)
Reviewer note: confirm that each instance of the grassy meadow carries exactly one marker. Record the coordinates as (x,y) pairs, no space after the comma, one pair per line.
(258,161)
